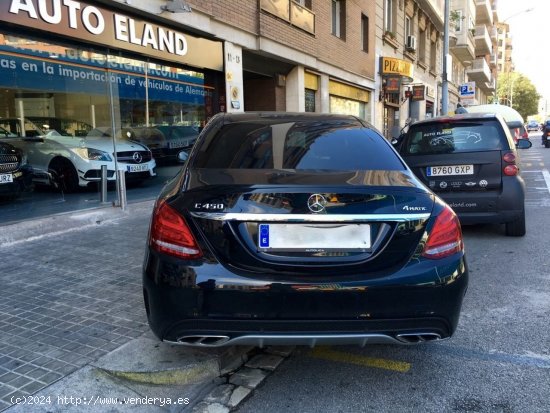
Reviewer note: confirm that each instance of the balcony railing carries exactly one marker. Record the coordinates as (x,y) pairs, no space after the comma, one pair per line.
(483,40)
(484,12)
(292,12)
(480,71)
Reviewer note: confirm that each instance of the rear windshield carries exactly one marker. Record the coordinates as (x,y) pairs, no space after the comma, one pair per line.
(450,137)
(301,145)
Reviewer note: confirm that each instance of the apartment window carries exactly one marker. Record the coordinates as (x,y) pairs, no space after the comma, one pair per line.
(365,32)
(433,56)
(339,18)
(408,30)
(304,3)
(458,20)
(422,46)
(388,15)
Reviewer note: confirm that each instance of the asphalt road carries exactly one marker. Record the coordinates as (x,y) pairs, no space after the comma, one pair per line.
(497,361)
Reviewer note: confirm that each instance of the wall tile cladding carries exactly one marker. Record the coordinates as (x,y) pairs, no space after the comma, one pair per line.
(346,54)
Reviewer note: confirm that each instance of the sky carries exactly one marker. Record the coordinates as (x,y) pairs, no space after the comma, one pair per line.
(530,34)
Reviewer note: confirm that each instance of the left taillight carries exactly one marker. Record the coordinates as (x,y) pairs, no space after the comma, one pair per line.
(171,235)
(445,237)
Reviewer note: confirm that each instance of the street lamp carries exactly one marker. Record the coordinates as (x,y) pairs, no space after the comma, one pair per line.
(444,80)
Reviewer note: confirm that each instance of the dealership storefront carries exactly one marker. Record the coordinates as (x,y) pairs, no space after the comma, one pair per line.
(84,70)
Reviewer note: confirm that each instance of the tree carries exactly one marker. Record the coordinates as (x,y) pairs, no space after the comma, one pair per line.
(517,91)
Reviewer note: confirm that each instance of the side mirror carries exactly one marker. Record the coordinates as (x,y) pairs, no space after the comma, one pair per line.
(182,156)
(524,144)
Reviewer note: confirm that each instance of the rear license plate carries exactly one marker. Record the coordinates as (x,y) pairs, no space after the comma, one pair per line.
(6,178)
(178,144)
(314,237)
(138,168)
(450,170)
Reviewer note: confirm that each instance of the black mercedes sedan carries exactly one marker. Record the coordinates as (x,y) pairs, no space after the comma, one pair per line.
(15,172)
(306,229)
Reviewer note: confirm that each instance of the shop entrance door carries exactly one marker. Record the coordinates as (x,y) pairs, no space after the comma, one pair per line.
(389,121)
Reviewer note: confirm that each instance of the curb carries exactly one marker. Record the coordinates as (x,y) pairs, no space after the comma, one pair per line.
(52,225)
(169,364)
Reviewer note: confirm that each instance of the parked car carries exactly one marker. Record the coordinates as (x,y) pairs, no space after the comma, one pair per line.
(293,228)
(470,161)
(532,125)
(513,119)
(15,172)
(166,142)
(546,134)
(70,162)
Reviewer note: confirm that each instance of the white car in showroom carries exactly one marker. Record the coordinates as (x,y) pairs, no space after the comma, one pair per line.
(70,162)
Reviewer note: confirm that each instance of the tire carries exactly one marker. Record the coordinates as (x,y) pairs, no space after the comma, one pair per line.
(516,228)
(64,175)
(547,143)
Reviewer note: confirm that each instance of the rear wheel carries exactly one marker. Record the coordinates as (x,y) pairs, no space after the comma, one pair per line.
(547,143)
(516,228)
(64,175)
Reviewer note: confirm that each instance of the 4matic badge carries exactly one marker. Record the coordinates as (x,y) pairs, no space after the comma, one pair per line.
(414,208)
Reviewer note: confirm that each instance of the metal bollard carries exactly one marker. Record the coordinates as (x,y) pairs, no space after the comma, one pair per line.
(103,194)
(122,189)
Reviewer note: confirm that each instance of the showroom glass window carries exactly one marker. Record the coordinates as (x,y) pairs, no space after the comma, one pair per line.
(73,93)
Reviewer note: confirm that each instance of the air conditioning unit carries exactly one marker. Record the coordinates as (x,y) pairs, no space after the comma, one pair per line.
(411,43)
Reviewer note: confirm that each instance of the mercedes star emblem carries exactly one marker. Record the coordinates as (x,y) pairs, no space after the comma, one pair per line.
(316,203)
(137,157)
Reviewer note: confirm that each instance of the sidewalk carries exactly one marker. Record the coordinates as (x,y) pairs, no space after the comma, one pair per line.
(73,328)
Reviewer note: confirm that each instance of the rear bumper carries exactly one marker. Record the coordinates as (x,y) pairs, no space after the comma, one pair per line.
(226,312)
(489,207)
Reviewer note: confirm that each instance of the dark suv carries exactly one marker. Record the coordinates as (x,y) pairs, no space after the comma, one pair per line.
(470,161)
(15,173)
(546,134)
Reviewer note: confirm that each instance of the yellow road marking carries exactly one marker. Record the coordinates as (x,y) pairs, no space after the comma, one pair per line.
(327,354)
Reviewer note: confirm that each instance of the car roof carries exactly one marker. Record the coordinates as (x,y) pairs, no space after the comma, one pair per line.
(462,116)
(508,113)
(295,116)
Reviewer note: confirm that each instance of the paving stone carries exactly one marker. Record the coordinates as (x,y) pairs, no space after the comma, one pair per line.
(5,390)
(20,382)
(248,377)
(284,351)
(265,361)
(33,387)
(220,394)
(238,395)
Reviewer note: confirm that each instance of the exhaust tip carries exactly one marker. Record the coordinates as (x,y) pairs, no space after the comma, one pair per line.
(414,338)
(205,341)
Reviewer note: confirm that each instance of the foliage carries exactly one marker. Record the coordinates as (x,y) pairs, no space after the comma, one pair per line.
(516,90)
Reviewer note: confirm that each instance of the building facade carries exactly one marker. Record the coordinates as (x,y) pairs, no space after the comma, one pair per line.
(409,49)
(291,55)
(473,48)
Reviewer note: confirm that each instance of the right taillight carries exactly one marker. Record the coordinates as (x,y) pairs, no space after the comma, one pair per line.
(511,169)
(171,235)
(445,237)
